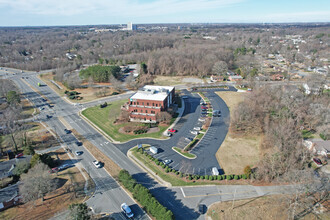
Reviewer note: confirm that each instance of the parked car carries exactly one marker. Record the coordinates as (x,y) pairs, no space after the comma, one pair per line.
(194,132)
(317,161)
(19,155)
(78,143)
(215,171)
(67,131)
(197,128)
(153,150)
(41,108)
(127,210)
(167,162)
(48,116)
(97,164)
(184,97)
(78,153)
(204,107)
(188,139)
(203,103)
(172,130)
(201,119)
(54,170)
(168,134)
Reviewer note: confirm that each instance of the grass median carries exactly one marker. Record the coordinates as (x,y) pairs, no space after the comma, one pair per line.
(104,119)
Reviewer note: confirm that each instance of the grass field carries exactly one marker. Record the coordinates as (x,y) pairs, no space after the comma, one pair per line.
(236,152)
(168,80)
(102,118)
(265,208)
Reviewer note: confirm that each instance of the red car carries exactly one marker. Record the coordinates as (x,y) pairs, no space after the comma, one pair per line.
(172,130)
(54,170)
(19,155)
(317,161)
(203,107)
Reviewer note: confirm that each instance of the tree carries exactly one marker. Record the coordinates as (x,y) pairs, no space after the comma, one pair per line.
(163,117)
(13,97)
(37,183)
(220,68)
(247,171)
(21,167)
(79,211)
(28,150)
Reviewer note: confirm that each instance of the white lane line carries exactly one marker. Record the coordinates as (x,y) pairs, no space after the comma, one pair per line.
(184,195)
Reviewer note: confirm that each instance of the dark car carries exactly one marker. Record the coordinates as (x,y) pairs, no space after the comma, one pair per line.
(67,131)
(201,208)
(49,116)
(78,143)
(19,155)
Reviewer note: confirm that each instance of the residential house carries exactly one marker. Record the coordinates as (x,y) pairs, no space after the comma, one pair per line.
(318,146)
(277,77)
(215,78)
(9,196)
(235,78)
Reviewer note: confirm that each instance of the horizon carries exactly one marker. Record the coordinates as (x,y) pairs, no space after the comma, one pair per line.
(21,13)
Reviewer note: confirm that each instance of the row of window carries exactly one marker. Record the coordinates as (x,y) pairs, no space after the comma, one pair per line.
(152,112)
(153,104)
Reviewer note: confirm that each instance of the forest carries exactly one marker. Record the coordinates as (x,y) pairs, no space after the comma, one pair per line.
(190,50)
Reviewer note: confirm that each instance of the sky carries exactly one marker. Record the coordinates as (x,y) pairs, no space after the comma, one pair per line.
(94,12)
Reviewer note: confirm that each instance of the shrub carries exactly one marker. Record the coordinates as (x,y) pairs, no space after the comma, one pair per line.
(210,177)
(166,170)
(206,177)
(236,177)
(228,177)
(223,177)
(244,176)
(105,104)
(190,178)
(157,163)
(196,177)
(247,171)
(202,177)
(177,172)
(219,177)
(181,175)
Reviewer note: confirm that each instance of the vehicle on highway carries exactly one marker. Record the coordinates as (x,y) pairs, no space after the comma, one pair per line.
(97,164)
(216,113)
(167,162)
(78,143)
(127,210)
(317,161)
(215,171)
(67,131)
(41,108)
(48,116)
(78,153)
(44,100)
(153,150)
(201,208)
(197,128)
(172,130)
(201,119)
(194,132)
(188,139)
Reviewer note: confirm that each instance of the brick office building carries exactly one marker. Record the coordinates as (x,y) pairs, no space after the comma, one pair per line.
(147,102)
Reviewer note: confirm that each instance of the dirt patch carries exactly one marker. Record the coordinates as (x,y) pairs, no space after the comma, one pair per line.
(266,208)
(41,138)
(236,152)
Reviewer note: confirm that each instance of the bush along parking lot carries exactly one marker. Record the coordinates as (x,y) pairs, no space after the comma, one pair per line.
(177,178)
(144,197)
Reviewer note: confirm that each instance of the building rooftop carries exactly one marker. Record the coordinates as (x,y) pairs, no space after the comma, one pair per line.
(157,93)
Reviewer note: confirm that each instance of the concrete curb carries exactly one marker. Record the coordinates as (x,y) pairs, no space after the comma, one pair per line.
(150,172)
(184,155)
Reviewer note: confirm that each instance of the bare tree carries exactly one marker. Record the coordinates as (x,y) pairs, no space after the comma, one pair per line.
(163,117)
(37,183)
(220,68)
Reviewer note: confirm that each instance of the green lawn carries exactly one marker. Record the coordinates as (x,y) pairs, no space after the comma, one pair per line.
(104,118)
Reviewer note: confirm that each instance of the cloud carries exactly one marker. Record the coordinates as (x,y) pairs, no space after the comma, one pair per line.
(132,8)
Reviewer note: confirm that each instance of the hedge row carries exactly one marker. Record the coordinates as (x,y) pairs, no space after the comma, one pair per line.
(144,197)
(167,169)
(191,145)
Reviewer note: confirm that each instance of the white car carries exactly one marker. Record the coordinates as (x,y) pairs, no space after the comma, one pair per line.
(78,153)
(168,161)
(197,128)
(127,210)
(168,134)
(188,139)
(201,119)
(97,164)
(194,132)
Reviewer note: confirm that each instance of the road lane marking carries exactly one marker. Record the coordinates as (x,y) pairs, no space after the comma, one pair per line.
(184,195)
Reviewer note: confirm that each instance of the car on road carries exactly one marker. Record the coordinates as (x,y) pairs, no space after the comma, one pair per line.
(317,161)
(184,97)
(188,139)
(127,210)
(172,130)
(44,100)
(78,153)
(48,116)
(167,162)
(201,208)
(41,108)
(194,132)
(97,164)
(197,128)
(67,131)
(216,113)
(201,119)
(78,143)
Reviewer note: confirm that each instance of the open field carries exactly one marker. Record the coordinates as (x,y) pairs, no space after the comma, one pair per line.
(102,118)
(168,80)
(236,152)
(27,108)
(88,94)
(265,208)
(71,191)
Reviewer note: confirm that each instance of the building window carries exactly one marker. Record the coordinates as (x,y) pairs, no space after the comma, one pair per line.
(137,103)
(146,111)
(142,103)
(156,105)
(153,104)
(152,112)
(147,103)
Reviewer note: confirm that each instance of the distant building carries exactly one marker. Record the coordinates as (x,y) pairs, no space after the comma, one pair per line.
(215,78)
(235,78)
(146,103)
(277,77)
(318,147)
(131,26)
